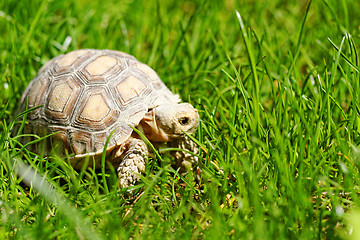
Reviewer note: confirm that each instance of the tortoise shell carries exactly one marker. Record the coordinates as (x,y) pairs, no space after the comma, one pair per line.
(88,94)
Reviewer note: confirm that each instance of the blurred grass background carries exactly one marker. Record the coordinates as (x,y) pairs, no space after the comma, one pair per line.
(278,99)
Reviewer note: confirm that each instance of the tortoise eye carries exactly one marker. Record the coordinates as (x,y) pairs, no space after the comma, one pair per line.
(184,121)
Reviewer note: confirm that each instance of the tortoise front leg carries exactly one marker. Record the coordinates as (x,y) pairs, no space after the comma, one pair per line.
(133,162)
(183,159)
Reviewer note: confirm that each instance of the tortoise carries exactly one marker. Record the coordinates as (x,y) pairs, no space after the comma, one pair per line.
(89,96)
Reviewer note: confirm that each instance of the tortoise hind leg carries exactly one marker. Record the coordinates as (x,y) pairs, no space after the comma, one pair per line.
(133,162)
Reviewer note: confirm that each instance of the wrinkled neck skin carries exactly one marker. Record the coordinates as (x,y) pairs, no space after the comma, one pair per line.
(152,130)
(168,122)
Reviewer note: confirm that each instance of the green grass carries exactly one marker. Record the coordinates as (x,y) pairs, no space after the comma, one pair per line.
(278,92)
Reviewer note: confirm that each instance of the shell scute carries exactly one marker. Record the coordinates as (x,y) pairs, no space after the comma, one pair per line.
(81,141)
(70,61)
(61,99)
(102,69)
(34,95)
(96,110)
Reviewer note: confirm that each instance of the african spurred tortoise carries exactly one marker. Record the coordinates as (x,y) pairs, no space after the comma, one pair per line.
(88,95)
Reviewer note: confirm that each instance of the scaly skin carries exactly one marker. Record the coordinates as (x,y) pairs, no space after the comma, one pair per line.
(183,159)
(133,162)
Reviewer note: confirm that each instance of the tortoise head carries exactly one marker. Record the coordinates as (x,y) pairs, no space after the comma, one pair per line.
(169,121)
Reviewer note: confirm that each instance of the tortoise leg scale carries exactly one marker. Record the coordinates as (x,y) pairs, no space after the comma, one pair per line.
(133,162)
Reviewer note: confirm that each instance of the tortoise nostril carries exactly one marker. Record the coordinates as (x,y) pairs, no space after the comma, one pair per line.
(184,121)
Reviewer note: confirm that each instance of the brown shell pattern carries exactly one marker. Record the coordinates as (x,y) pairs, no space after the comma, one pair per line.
(86,95)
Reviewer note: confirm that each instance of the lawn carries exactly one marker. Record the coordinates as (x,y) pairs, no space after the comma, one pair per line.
(277,86)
